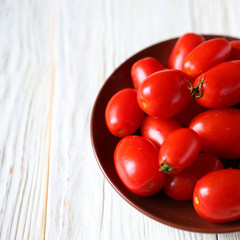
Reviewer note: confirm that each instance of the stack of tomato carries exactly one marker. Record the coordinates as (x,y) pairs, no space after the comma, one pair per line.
(189,123)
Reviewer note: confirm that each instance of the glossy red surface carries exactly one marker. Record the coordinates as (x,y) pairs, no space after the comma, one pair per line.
(205,56)
(156,130)
(143,68)
(217,196)
(219,132)
(158,207)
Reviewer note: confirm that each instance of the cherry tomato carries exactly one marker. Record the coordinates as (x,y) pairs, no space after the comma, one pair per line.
(219,131)
(178,151)
(219,86)
(206,55)
(123,115)
(188,113)
(184,45)
(136,163)
(156,130)
(181,186)
(217,197)
(143,68)
(164,94)
(235,50)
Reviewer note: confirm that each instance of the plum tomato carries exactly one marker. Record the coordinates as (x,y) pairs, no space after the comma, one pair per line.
(136,163)
(219,86)
(156,130)
(235,50)
(188,113)
(184,45)
(123,115)
(181,186)
(219,132)
(143,68)
(178,151)
(164,94)
(206,55)
(216,196)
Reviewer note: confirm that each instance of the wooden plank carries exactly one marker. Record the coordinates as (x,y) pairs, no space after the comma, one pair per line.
(25,73)
(229,236)
(75,196)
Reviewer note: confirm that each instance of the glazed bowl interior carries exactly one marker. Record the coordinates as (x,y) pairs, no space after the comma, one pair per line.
(159,207)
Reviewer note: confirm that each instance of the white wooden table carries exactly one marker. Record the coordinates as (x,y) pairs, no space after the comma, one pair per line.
(54,57)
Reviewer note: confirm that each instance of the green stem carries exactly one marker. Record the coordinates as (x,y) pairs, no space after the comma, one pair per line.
(196,92)
(165,167)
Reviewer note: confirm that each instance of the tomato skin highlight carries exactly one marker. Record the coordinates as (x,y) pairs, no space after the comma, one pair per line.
(123,115)
(217,197)
(143,68)
(156,130)
(219,132)
(136,163)
(221,87)
(164,94)
(179,150)
(181,186)
(206,55)
(184,45)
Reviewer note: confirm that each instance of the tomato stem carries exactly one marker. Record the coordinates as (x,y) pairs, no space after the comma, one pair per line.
(165,167)
(196,92)
(144,104)
(149,185)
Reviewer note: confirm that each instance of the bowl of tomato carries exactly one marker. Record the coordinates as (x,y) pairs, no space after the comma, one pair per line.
(110,143)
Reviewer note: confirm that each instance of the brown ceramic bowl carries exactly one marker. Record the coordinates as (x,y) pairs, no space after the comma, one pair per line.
(158,207)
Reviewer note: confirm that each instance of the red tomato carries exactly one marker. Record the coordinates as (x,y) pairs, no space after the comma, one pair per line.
(206,55)
(164,94)
(188,113)
(181,186)
(143,68)
(235,50)
(156,130)
(184,45)
(136,163)
(219,132)
(179,150)
(123,115)
(220,86)
(217,197)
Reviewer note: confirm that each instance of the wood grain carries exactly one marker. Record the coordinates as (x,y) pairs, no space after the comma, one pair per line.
(54,57)
(25,71)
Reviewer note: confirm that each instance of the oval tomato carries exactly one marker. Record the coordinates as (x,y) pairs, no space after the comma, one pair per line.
(220,86)
(206,55)
(123,115)
(143,68)
(136,163)
(181,186)
(184,45)
(217,197)
(179,150)
(235,50)
(219,132)
(156,130)
(164,94)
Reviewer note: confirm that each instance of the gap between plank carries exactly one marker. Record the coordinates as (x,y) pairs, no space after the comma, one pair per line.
(52,81)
